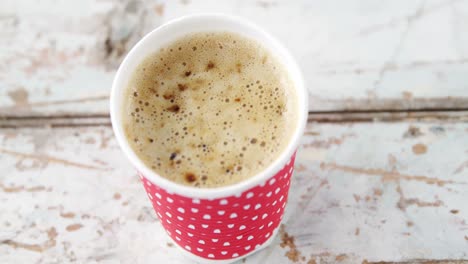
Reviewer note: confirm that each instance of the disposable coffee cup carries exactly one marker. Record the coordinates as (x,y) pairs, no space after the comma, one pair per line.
(223,224)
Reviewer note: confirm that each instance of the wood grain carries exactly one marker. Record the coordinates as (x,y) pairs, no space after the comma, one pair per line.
(362,194)
(381,174)
(59,58)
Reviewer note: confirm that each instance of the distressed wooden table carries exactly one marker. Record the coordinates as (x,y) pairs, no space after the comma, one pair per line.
(382,171)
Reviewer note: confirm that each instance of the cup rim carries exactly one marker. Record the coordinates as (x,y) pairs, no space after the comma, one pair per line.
(224,191)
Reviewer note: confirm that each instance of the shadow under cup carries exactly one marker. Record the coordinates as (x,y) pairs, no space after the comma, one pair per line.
(226,223)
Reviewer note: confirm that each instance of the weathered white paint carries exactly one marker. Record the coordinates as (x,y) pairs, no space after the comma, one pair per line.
(361,192)
(59,58)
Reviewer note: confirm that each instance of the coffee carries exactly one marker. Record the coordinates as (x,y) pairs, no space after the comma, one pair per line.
(210,109)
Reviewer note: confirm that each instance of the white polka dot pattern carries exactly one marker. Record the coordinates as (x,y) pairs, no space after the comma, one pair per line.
(223,228)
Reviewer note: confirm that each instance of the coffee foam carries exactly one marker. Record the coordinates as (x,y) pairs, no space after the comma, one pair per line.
(209,110)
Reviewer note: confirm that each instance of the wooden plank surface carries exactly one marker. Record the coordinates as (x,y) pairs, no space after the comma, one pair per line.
(363,192)
(59,57)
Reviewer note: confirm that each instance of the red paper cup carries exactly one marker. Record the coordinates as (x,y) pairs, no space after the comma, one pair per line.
(220,224)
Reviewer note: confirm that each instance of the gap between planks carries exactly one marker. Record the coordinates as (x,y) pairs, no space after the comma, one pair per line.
(362,116)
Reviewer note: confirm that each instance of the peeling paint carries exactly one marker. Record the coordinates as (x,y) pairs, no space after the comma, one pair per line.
(419,149)
(413,132)
(288,241)
(73,227)
(388,175)
(159,9)
(46,159)
(19,97)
